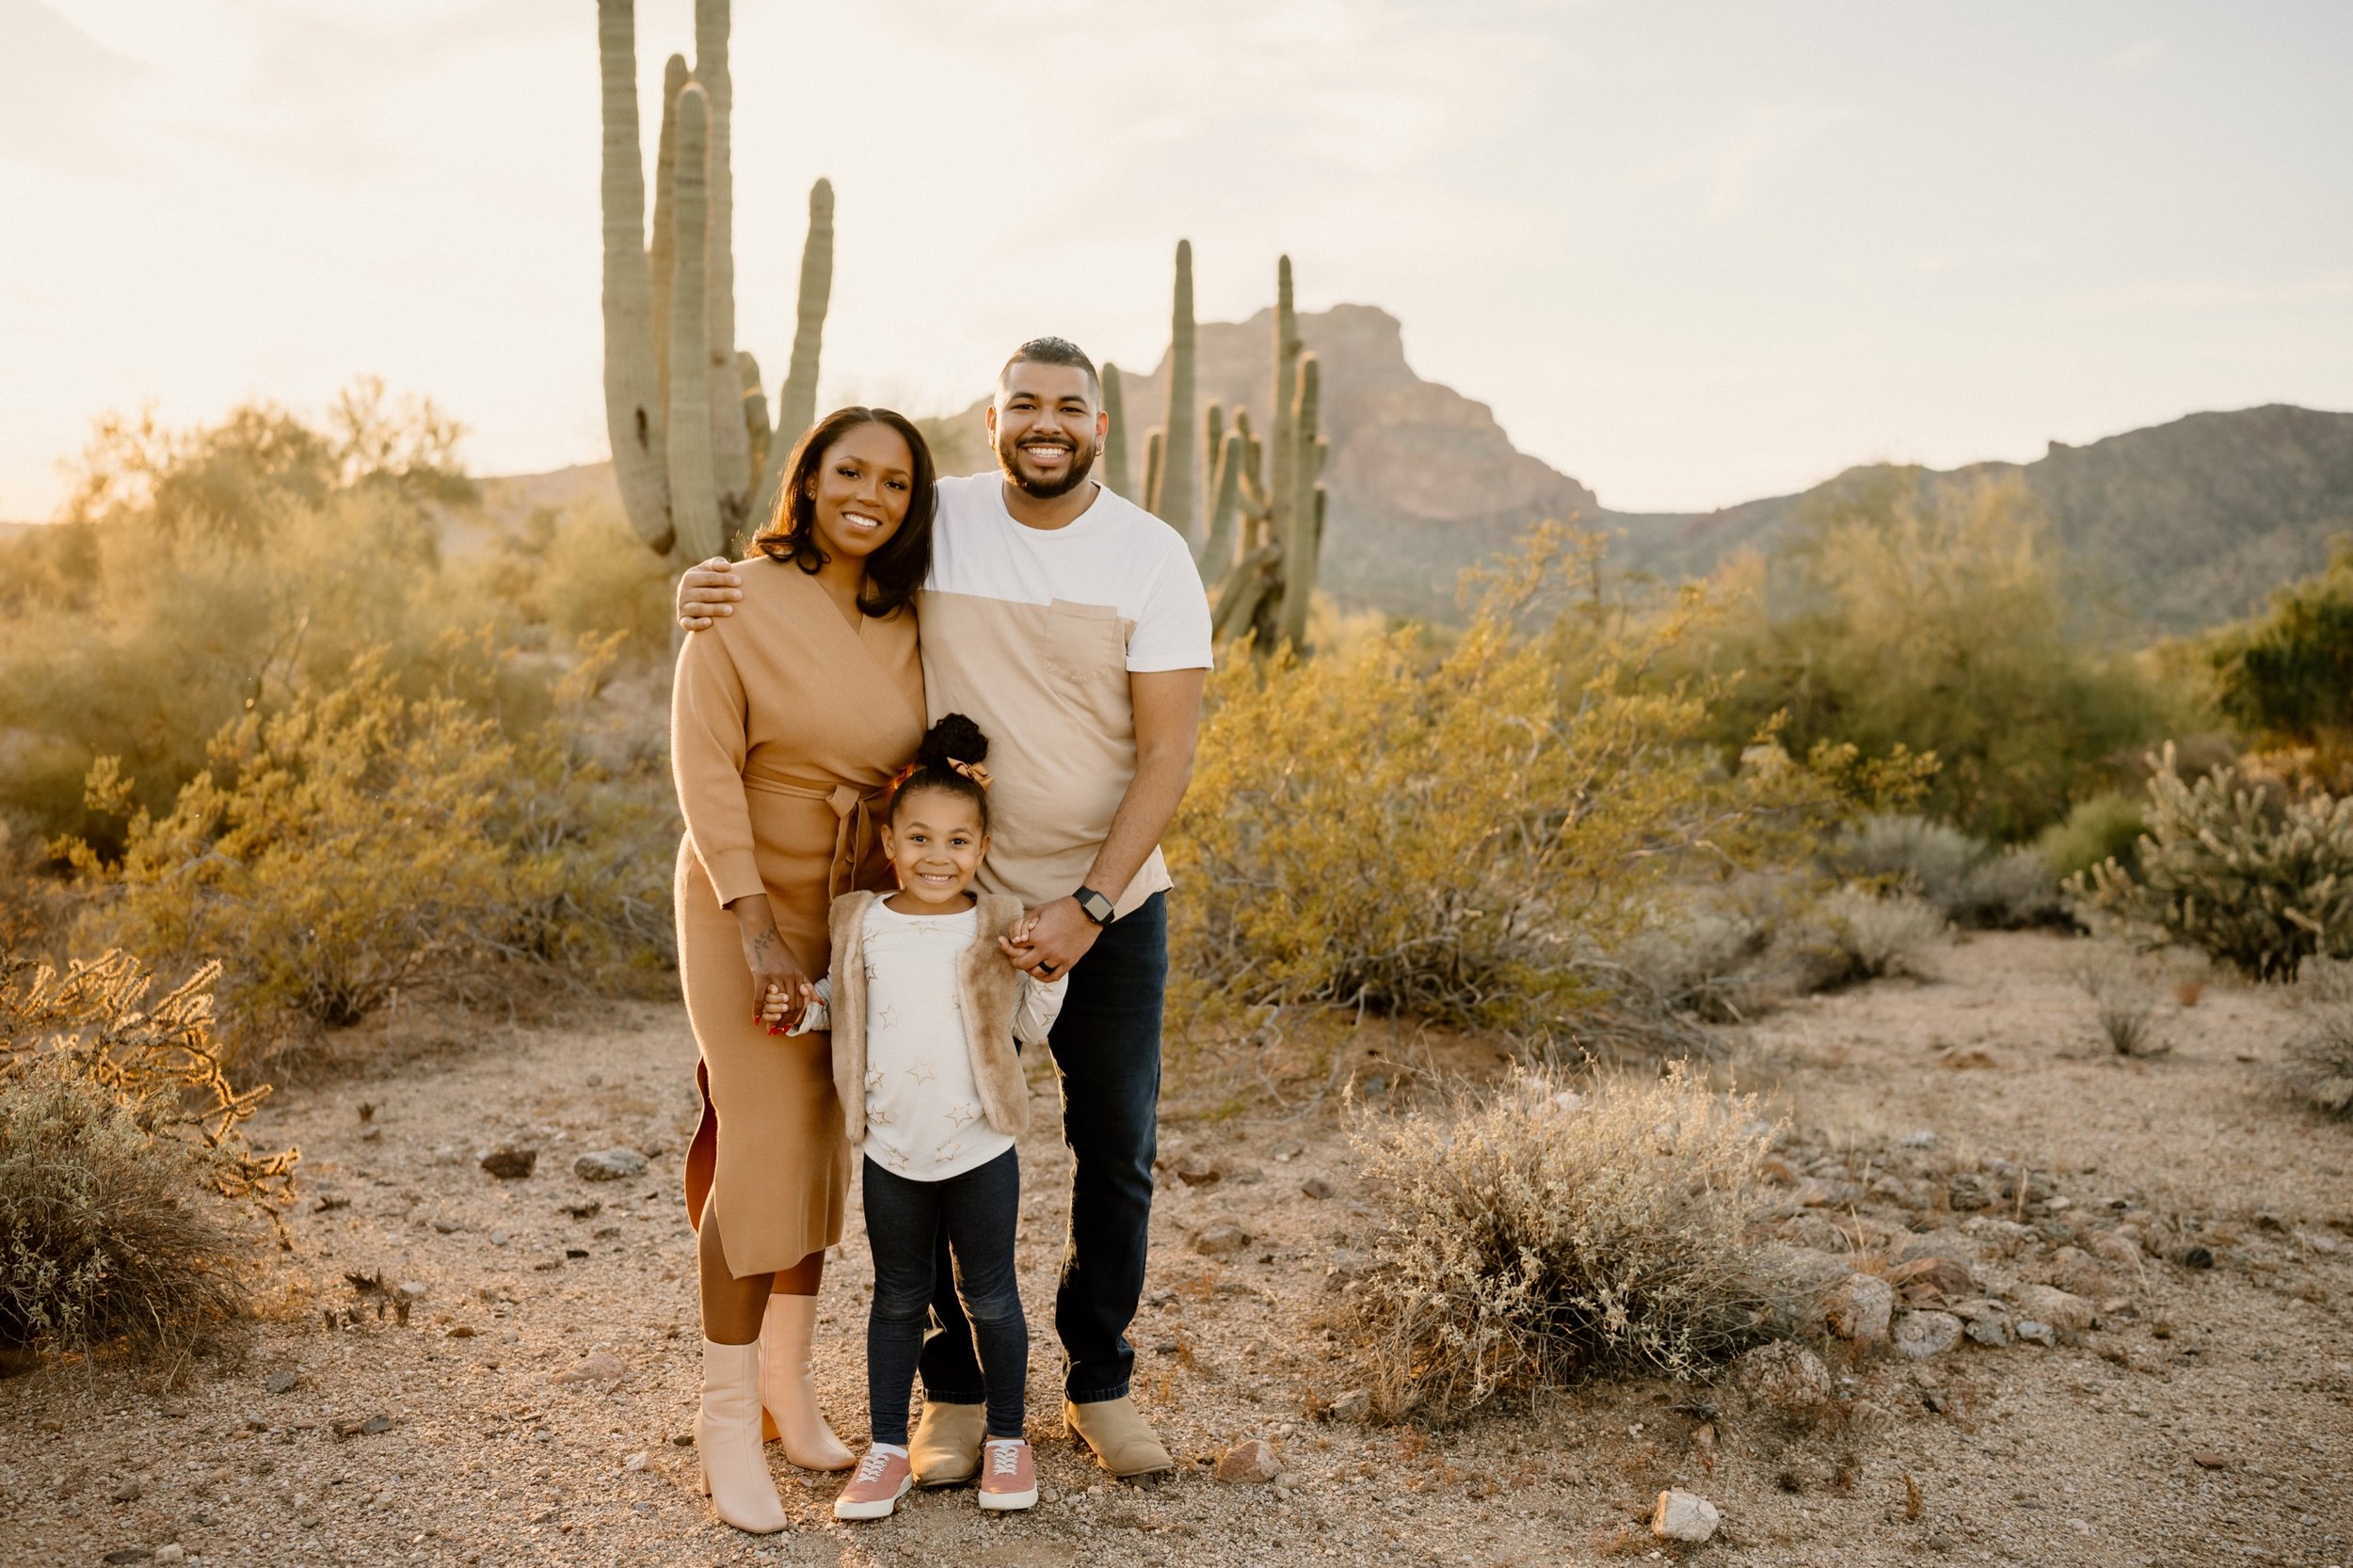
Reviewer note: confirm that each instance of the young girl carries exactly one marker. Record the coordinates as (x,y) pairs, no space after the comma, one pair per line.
(924,1009)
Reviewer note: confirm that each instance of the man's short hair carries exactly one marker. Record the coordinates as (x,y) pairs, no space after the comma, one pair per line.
(1053,351)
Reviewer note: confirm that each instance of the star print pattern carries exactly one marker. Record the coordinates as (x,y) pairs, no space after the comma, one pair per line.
(964,1116)
(921,1072)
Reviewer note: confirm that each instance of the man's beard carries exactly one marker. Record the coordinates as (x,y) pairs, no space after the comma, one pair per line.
(1074,474)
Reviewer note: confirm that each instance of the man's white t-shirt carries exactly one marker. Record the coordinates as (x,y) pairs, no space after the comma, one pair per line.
(1031,633)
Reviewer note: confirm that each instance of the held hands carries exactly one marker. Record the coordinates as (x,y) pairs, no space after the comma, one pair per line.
(707,592)
(775,1002)
(1050,939)
(776,979)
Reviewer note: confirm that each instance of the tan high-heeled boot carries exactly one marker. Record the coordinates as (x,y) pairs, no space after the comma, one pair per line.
(727,1441)
(787,1386)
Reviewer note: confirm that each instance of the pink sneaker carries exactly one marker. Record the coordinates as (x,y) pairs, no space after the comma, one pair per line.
(1008,1475)
(882,1478)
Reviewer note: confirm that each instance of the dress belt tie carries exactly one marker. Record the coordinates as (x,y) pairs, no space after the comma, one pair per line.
(853,822)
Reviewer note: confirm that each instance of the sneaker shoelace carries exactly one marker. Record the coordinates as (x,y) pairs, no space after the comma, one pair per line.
(871,1466)
(1004,1459)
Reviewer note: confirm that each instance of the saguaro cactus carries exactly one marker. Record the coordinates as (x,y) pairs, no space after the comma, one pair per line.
(1171,498)
(1115,442)
(669,304)
(1265,528)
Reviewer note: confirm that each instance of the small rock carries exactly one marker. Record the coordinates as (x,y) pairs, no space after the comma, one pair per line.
(1784,1376)
(2063,1311)
(1684,1516)
(1250,1464)
(128,1554)
(1858,1309)
(412,1289)
(637,1460)
(2207,1459)
(1285,1153)
(2032,1332)
(1198,1170)
(614,1164)
(2117,1248)
(508,1163)
(1813,1230)
(283,1381)
(1933,1277)
(127,1493)
(1916,1140)
(1986,1322)
(370,1426)
(599,1367)
(546,1518)
(1221,1239)
(1922,1334)
(461,1331)
(1353,1405)
(447,1227)
(588,1208)
(2076,1271)
(173,1553)
(1316,1186)
(1814,1192)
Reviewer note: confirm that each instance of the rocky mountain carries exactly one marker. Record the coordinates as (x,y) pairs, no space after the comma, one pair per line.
(2181,525)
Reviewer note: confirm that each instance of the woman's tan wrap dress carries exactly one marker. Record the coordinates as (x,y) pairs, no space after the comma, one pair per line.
(787,725)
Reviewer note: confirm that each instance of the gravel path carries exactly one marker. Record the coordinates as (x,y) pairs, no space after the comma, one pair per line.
(528,1409)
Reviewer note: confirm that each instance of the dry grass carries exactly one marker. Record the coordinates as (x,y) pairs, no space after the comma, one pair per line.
(2322,1054)
(1531,1234)
(120,1155)
(2124,1000)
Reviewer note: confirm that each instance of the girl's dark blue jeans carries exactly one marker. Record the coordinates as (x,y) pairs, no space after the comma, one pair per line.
(973,1216)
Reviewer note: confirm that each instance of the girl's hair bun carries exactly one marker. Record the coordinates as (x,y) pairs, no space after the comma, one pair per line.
(953,739)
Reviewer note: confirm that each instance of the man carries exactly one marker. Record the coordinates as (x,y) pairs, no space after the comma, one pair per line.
(1072,626)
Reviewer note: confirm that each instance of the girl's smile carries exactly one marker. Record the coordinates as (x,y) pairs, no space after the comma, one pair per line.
(935,846)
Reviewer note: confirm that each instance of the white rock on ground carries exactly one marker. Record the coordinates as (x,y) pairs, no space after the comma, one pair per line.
(2063,1311)
(610,1165)
(1684,1516)
(1922,1334)
(1858,1309)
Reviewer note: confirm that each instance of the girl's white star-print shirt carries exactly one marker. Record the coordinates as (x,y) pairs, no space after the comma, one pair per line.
(924,1118)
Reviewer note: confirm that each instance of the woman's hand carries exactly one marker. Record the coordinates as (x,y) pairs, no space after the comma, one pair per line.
(774,975)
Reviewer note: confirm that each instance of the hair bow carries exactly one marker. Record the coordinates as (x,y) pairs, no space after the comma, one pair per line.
(973,771)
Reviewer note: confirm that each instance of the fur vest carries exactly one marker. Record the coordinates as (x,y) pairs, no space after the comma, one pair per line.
(988,986)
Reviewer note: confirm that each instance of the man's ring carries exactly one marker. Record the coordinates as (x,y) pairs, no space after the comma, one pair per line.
(1045,968)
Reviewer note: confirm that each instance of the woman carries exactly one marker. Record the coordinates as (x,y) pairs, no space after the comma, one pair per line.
(786,723)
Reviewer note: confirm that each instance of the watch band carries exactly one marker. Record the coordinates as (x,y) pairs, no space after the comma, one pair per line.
(1094,906)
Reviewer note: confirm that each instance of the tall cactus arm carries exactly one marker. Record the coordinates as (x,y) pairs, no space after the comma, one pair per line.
(755,408)
(694,497)
(1174,502)
(1299,565)
(796,401)
(1222,540)
(633,410)
(1115,439)
(731,451)
(1283,439)
(1155,471)
(1243,592)
(662,251)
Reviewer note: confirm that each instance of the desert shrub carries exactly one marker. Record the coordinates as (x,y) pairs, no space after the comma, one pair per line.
(1534,1233)
(2105,826)
(334,852)
(2288,674)
(2123,999)
(1929,859)
(1859,935)
(2007,890)
(1453,833)
(2321,1055)
(1939,619)
(121,1155)
(2260,878)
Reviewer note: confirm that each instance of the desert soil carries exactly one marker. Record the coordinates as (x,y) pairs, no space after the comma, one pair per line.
(531,1406)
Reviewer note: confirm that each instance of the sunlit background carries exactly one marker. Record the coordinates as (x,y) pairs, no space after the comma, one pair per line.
(1690,254)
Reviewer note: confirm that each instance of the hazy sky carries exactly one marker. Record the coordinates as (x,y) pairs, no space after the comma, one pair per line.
(1691,254)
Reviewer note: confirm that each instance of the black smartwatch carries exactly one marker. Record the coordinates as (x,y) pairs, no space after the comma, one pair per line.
(1096,907)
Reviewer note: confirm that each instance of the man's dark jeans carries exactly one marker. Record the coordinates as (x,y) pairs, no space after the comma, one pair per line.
(1107,1045)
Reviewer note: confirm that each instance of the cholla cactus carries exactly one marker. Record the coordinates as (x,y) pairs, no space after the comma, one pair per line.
(687,493)
(2259,880)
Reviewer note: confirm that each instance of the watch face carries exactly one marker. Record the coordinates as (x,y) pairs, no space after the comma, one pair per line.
(1099,908)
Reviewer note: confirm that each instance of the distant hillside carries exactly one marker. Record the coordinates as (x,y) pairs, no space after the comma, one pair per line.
(2186,524)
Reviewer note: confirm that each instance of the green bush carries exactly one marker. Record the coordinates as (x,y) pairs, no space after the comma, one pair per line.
(1536,1233)
(121,1159)
(2258,877)
(2106,826)
(1458,834)
(2287,674)
(1966,880)
(1937,618)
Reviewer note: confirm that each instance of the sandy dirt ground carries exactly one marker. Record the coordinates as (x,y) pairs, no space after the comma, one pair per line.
(533,1405)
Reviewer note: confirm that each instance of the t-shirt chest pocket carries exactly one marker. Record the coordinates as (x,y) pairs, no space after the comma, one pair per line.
(1083,644)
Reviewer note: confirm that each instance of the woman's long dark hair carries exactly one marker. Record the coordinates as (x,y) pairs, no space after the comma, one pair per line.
(898,569)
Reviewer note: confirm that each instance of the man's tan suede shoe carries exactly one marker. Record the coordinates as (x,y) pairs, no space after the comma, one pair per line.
(945,1450)
(1122,1441)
